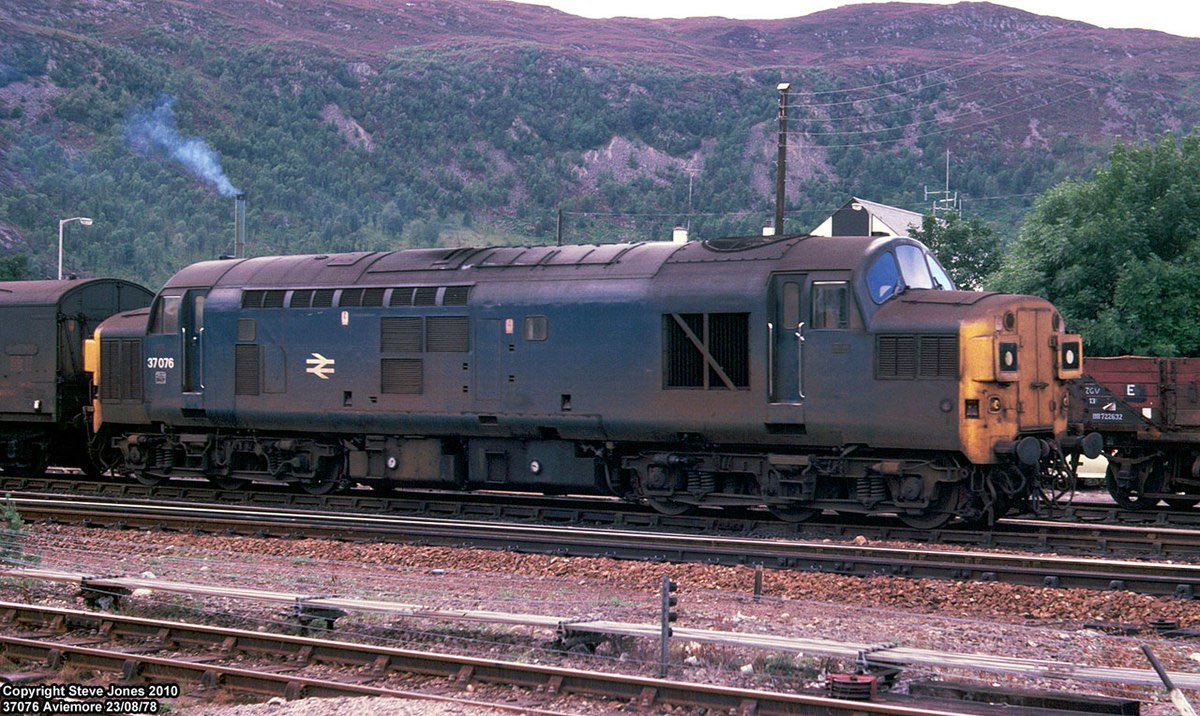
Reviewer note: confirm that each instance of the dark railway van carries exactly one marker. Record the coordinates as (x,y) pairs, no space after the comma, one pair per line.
(1148,411)
(794,374)
(43,393)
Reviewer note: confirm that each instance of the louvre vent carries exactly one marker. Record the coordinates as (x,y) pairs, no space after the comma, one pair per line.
(121,370)
(402,297)
(246,370)
(684,362)
(131,356)
(723,337)
(373,297)
(401,335)
(939,357)
(447,334)
(729,343)
(909,357)
(897,357)
(247,330)
(401,376)
(355,297)
(426,296)
(323,298)
(302,298)
(273,299)
(456,295)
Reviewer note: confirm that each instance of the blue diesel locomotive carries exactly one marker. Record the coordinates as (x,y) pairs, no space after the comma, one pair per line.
(792,373)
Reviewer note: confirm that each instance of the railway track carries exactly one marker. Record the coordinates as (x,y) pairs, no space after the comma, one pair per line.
(142,649)
(1079,529)
(1147,577)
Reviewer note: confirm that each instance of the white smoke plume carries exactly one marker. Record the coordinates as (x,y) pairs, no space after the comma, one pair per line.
(155,131)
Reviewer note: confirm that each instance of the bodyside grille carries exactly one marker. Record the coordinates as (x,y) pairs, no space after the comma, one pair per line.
(910,357)
(246,370)
(121,369)
(939,357)
(401,335)
(401,376)
(447,334)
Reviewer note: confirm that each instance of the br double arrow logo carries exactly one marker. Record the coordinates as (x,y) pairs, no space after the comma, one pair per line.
(320,366)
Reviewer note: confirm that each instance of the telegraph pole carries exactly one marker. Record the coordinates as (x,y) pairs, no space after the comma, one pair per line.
(781,163)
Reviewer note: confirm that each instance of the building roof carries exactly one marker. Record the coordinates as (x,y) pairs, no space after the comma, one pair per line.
(883,220)
(898,220)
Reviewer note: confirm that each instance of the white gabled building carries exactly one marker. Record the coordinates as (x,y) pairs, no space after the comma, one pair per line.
(860,217)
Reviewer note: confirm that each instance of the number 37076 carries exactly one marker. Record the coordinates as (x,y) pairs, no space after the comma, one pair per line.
(153,362)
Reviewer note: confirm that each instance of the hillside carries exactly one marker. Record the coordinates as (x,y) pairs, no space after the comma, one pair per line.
(365,124)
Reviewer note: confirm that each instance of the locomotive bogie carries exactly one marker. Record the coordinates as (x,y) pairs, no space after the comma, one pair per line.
(229,461)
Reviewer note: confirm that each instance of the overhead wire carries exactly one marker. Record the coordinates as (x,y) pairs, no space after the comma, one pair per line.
(989,120)
(925,121)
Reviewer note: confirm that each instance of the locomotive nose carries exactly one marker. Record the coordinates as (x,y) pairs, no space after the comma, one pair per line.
(1017,363)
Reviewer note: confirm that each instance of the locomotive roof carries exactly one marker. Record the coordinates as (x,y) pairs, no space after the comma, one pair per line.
(50,292)
(521,263)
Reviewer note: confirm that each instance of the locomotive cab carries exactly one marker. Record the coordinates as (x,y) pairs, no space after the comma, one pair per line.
(988,370)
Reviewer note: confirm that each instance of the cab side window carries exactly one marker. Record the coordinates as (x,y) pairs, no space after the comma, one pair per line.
(830,304)
(166,315)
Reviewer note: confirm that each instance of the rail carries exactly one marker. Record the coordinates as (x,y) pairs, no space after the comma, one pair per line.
(1148,577)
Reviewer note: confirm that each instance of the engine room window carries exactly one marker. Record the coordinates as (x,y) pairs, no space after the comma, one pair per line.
(537,328)
(830,304)
(883,278)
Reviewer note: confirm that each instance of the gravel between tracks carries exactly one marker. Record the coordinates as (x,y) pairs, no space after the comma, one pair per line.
(964,617)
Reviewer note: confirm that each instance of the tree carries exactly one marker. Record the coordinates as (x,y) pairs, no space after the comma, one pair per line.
(1119,255)
(14,268)
(969,249)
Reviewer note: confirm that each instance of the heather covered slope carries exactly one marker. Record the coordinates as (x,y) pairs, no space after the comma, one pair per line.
(364,124)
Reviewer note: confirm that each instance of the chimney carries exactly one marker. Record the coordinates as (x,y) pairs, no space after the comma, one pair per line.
(239,226)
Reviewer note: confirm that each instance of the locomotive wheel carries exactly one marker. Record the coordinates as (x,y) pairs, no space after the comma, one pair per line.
(793,513)
(1134,498)
(147,478)
(320,487)
(668,506)
(326,478)
(940,510)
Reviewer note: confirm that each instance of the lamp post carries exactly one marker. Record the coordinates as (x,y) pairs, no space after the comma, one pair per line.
(84,221)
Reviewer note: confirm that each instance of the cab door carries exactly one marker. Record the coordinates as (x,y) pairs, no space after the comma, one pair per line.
(785,349)
(163,358)
(191,337)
